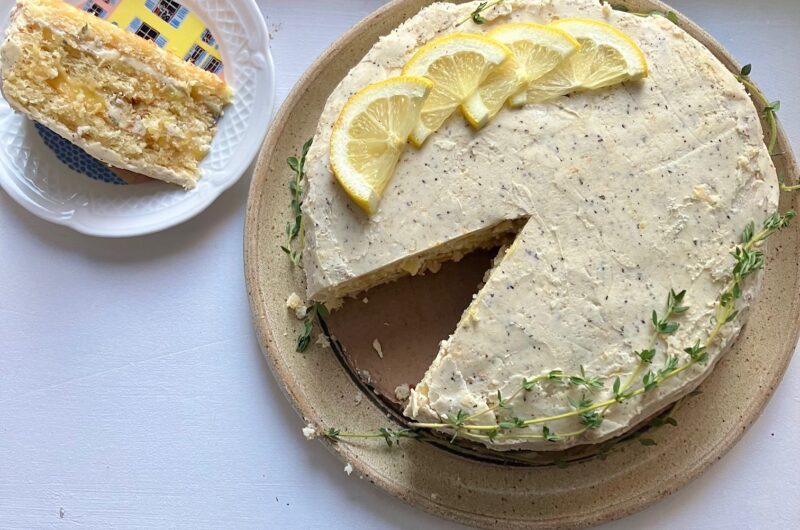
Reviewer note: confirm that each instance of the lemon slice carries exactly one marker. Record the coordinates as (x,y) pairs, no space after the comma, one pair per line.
(606,57)
(370,134)
(457,64)
(536,50)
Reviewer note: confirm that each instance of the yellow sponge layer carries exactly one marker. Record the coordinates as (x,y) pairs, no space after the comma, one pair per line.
(123,99)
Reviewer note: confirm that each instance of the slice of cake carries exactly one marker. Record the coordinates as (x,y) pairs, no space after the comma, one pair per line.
(624,193)
(121,98)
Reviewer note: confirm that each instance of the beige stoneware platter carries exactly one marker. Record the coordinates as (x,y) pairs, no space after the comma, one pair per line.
(465,484)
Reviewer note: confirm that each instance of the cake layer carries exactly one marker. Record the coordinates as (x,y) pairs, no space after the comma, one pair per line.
(122,99)
(628,191)
(430,259)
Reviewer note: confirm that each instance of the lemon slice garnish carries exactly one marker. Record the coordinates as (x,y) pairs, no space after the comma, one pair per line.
(457,64)
(536,50)
(370,134)
(606,57)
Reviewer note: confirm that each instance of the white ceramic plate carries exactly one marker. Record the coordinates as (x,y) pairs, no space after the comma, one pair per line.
(39,177)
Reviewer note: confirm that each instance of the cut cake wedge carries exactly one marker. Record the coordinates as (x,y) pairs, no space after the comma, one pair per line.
(121,98)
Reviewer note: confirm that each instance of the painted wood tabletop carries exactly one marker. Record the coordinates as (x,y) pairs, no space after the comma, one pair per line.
(133,393)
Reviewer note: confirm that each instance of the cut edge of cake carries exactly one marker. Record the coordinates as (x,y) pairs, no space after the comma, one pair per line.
(429,260)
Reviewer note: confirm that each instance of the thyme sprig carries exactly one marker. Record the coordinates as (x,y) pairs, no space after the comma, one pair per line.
(770,115)
(748,259)
(317,314)
(477,15)
(391,436)
(771,108)
(294,228)
(661,326)
(672,16)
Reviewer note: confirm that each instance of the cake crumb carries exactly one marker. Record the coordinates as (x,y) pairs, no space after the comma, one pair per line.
(295,303)
(310,432)
(378,349)
(323,341)
(348,469)
(358,397)
(701,193)
(333,305)
(402,392)
(365,300)
(365,376)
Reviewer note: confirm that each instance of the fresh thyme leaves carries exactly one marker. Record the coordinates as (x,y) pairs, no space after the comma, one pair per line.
(775,222)
(646,356)
(512,423)
(580,404)
(501,403)
(294,228)
(316,313)
(476,16)
(392,436)
(592,419)
(672,16)
(748,259)
(663,326)
(332,434)
(549,435)
(617,389)
(649,381)
(698,353)
(590,383)
(456,422)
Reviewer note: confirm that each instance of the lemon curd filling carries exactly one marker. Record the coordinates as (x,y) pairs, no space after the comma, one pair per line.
(121,98)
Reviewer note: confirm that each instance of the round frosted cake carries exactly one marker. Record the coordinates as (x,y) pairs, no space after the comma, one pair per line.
(613,198)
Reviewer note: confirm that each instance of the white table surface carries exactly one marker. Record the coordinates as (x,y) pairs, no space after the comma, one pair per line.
(133,393)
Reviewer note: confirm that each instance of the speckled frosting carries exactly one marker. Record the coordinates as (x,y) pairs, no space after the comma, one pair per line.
(625,192)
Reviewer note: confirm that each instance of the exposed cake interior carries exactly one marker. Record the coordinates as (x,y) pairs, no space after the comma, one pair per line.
(429,260)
